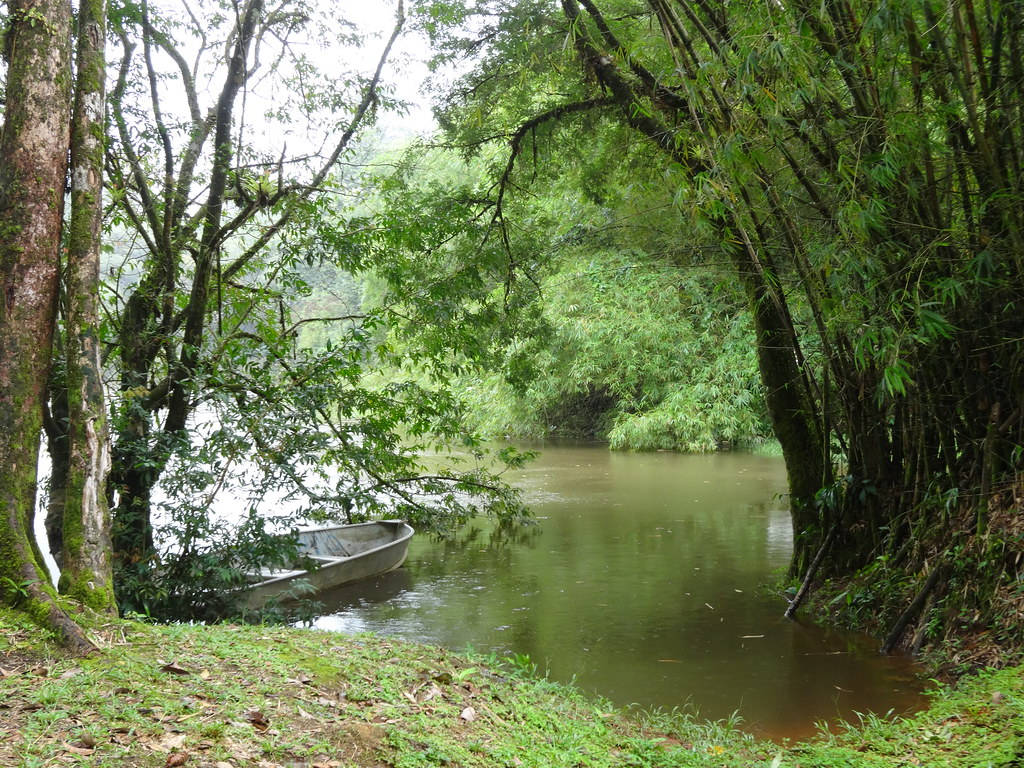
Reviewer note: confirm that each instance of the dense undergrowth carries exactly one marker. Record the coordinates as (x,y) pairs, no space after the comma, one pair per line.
(238,696)
(617,327)
(634,352)
(954,593)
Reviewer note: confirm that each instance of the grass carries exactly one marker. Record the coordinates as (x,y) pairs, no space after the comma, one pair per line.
(221,696)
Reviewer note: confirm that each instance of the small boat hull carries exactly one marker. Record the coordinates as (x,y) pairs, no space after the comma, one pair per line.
(345,553)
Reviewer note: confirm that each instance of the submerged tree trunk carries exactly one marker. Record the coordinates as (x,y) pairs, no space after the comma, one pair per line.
(86,562)
(33,161)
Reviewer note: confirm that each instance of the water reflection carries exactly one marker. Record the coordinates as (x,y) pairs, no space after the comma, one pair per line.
(642,582)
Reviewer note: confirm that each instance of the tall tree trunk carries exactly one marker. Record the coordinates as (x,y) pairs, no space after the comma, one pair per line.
(33,163)
(86,564)
(792,413)
(135,477)
(137,458)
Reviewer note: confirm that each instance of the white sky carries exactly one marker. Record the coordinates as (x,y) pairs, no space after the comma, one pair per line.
(407,69)
(403,75)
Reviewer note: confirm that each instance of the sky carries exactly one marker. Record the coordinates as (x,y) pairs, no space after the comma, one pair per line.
(407,70)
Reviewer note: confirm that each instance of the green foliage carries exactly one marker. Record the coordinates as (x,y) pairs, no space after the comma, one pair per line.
(203,575)
(245,367)
(358,459)
(593,318)
(640,353)
(856,166)
(14,592)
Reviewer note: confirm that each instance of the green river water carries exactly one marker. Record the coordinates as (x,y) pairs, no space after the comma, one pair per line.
(643,581)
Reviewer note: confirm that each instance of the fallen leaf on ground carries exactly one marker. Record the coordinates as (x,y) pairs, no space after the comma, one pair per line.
(175,669)
(167,742)
(258,719)
(78,750)
(431,693)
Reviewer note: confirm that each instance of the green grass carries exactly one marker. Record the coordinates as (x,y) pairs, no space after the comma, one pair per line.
(257,696)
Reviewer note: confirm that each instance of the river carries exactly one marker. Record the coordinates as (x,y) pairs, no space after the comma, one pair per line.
(644,581)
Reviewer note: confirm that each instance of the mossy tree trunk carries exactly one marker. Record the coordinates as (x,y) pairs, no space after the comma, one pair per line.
(792,413)
(86,549)
(33,162)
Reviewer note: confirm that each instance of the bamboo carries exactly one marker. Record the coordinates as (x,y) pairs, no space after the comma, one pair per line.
(912,610)
(805,586)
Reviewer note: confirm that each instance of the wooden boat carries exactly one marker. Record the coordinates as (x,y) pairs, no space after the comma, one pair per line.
(343,553)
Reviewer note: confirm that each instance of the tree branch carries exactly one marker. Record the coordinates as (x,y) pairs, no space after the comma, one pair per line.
(368,100)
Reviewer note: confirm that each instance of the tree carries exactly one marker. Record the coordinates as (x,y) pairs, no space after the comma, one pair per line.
(619,331)
(33,163)
(224,209)
(859,164)
(209,189)
(836,160)
(86,569)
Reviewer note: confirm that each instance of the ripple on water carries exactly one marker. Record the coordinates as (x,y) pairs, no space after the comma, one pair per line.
(644,586)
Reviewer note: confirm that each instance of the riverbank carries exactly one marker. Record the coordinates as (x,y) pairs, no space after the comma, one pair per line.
(260,696)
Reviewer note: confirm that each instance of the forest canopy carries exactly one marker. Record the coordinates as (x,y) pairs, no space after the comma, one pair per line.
(671,224)
(858,165)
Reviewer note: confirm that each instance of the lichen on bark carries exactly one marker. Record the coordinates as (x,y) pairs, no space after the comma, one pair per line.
(86,547)
(33,162)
